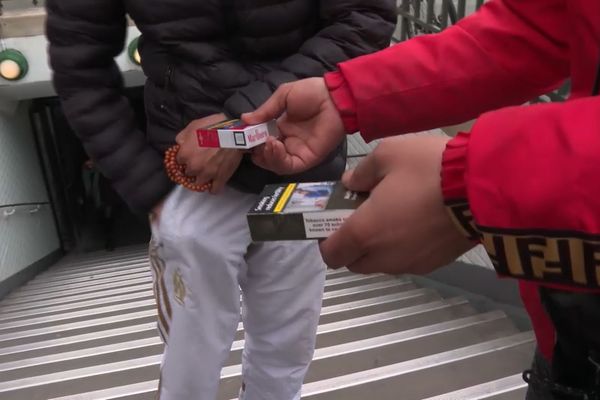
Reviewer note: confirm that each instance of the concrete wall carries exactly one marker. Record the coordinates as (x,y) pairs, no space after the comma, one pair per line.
(27,234)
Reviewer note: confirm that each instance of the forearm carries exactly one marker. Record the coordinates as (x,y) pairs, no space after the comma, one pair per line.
(505,54)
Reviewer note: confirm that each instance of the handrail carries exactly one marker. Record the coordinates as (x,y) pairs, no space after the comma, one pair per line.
(8,210)
(41,203)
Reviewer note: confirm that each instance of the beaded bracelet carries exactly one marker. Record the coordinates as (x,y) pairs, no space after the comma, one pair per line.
(176,172)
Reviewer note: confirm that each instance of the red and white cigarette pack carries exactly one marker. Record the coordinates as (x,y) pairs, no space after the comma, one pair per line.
(235,134)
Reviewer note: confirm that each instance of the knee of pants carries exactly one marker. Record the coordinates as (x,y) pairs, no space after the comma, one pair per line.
(292,345)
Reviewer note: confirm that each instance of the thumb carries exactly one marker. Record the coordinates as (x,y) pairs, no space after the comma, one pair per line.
(270,109)
(364,177)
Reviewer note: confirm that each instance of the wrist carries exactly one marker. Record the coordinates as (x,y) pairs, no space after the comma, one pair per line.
(454,185)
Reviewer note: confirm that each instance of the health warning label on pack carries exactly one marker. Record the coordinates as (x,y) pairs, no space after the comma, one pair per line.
(321,225)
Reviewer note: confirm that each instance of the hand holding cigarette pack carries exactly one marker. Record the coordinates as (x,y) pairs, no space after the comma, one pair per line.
(235,134)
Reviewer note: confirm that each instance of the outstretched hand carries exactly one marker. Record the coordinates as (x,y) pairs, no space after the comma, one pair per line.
(309,124)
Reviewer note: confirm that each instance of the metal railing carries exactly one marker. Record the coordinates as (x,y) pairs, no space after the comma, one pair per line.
(418,17)
(9,210)
(35,204)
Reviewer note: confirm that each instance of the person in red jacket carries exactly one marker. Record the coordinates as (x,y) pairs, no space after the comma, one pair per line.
(523,181)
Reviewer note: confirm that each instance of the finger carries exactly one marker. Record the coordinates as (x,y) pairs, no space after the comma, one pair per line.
(181,136)
(378,262)
(350,241)
(365,264)
(367,174)
(301,157)
(301,142)
(271,109)
(259,160)
(258,157)
(273,157)
(205,175)
(281,162)
(218,183)
(262,155)
(191,167)
(222,175)
(181,157)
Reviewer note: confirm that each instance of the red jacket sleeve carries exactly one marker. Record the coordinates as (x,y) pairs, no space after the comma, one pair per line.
(530,175)
(505,54)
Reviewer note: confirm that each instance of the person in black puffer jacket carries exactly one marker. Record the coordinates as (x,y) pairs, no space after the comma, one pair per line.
(206,60)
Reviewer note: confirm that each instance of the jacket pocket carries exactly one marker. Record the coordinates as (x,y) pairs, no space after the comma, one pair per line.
(163,114)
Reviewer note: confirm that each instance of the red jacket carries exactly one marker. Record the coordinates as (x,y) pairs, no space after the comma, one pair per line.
(526,180)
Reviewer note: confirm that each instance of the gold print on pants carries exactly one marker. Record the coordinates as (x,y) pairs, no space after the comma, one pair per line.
(179,287)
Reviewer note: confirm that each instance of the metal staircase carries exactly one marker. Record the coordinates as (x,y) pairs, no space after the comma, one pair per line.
(85,329)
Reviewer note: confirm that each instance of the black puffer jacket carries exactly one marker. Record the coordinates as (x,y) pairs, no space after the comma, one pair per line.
(200,57)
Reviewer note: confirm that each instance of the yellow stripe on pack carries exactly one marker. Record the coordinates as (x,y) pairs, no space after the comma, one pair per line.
(285,197)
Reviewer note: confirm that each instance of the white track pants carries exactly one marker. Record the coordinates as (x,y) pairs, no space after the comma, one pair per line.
(202,259)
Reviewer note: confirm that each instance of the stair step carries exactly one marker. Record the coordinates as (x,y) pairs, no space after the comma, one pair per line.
(131,283)
(25,304)
(12,337)
(86,329)
(137,391)
(97,338)
(121,273)
(78,359)
(446,367)
(379,317)
(86,286)
(118,311)
(59,274)
(372,352)
(366,291)
(16,314)
(337,282)
(81,380)
(517,394)
(147,367)
(377,304)
(118,323)
(392,321)
(76,328)
(353,310)
(115,270)
(71,316)
(430,375)
(353,280)
(76,266)
(511,387)
(346,330)
(44,309)
(12,305)
(102,254)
